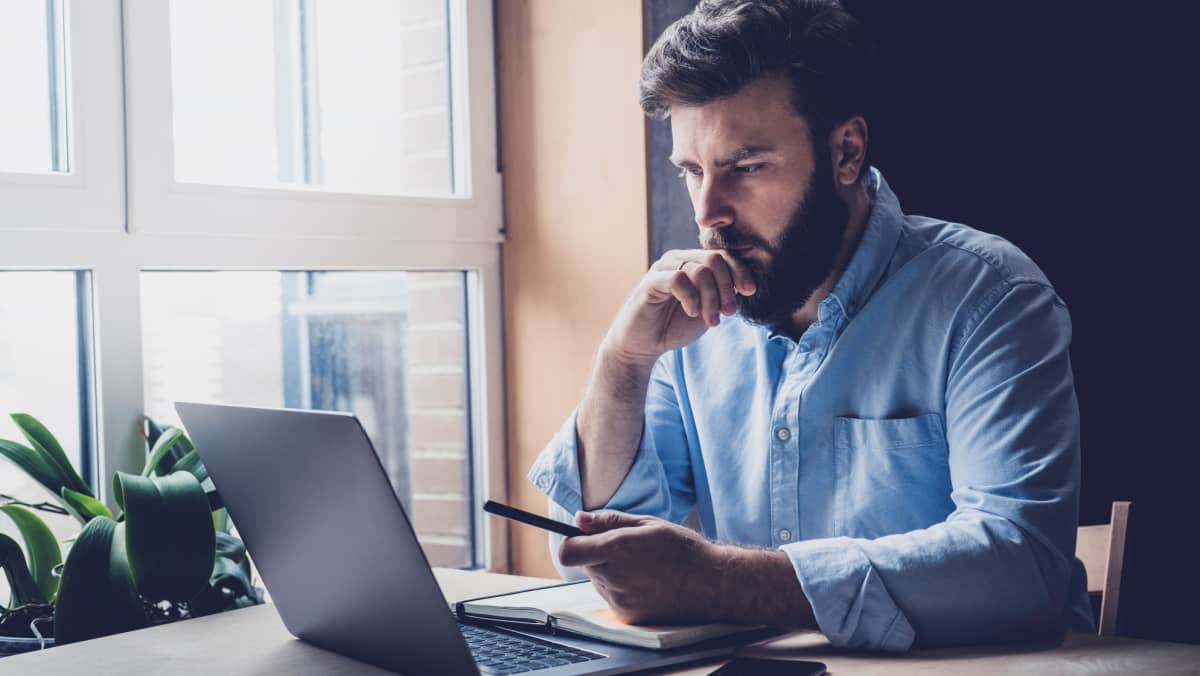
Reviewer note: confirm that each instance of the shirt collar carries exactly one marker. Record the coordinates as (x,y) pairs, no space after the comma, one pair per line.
(874,251)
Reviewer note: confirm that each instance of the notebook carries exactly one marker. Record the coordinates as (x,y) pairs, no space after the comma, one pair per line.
(577,608)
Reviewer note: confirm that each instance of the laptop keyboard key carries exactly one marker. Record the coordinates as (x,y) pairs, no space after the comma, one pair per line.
(498,652)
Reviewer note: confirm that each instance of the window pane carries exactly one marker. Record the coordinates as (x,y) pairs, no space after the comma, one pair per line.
(33,115)
(347,96)
(388,346)
(40,375)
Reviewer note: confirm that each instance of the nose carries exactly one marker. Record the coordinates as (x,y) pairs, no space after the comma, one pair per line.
(711,204)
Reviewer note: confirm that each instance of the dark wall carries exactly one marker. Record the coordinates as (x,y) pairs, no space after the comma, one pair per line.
(1073,130)
(671,222)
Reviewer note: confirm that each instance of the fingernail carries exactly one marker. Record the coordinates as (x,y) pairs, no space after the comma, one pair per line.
(583,517)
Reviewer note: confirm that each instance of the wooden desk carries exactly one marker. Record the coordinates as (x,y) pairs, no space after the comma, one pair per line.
(254,641)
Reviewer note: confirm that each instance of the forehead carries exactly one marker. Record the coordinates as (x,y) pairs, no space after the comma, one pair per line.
(761,114)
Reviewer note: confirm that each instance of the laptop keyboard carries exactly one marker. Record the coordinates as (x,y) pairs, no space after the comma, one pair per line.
(498,652)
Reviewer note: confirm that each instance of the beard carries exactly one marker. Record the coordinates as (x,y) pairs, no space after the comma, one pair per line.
(799,262)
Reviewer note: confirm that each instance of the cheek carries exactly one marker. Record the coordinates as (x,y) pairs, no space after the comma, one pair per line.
(767,209)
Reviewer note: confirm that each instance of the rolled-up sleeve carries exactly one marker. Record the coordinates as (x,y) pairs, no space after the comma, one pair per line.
(999,567)
(658,483)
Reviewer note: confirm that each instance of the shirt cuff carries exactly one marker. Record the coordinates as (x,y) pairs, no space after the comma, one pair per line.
(644,489)
(851,605)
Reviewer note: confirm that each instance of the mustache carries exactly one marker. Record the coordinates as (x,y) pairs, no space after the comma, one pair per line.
(729,238)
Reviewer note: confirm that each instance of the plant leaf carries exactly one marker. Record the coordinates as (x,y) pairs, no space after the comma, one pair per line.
(214,499)
(43,441)
(165,443)
(153,431)
(221,519)
(175,448)
(42,549)
(85,505)
(37,466)
(230,546)
(169,534)
(20,581)
(228,588)
(97,596)
(192,464)
(227,574)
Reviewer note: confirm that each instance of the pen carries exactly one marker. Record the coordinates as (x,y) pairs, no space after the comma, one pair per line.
(500,509)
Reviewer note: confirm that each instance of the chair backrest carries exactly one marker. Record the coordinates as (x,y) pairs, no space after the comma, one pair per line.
(1102,551)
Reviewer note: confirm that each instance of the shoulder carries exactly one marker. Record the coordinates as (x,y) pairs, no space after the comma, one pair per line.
(961,249)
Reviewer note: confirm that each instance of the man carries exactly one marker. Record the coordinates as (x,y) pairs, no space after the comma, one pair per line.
(871,416)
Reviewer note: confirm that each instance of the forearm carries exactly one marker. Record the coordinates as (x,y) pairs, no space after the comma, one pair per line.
(759,586)
(609,425)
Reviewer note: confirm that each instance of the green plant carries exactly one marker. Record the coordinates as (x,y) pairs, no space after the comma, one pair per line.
(168,553)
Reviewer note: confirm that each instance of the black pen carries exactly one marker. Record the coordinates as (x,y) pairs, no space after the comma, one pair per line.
(501,509)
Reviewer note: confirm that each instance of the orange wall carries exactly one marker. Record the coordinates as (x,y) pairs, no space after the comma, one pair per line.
(574,163)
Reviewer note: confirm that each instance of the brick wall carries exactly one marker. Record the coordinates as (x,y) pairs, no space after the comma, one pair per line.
(438,422)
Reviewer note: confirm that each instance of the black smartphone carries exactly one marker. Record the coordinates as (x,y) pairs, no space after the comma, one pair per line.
(750,666)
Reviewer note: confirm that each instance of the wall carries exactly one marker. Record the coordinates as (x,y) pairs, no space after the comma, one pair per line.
(573,158)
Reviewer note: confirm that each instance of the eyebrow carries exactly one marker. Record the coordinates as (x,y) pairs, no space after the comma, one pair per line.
(739,155)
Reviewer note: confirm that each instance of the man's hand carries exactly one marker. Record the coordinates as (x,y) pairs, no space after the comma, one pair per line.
(682,295)
(651,571)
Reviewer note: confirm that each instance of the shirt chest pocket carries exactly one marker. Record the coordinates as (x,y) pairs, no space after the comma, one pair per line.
(893,474)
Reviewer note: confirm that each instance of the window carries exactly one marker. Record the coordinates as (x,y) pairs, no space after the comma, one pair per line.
(308,216)
(33,135)
(296,96)
(44,370)
(389,346)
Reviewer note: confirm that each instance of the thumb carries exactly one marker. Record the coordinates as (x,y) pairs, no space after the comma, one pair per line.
(599,522)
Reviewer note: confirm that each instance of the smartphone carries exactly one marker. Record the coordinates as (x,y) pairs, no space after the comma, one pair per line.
(749,666)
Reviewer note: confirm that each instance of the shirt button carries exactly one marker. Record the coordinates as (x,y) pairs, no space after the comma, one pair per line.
(783,434)
(785,534)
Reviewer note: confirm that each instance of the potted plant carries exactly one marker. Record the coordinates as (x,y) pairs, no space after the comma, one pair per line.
(167,553)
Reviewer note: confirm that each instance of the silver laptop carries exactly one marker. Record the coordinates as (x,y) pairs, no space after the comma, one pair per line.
(343,566)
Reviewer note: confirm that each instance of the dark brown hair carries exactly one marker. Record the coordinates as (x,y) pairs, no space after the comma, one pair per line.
(723,45)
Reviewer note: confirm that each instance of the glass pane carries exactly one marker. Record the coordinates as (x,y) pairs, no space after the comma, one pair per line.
(388,346)
(33,115)
(40,375)
(347,96)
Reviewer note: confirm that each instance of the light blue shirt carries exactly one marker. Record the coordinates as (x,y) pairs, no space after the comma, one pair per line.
(915,454)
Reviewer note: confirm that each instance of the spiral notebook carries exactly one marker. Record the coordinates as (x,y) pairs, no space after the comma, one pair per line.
(577,608)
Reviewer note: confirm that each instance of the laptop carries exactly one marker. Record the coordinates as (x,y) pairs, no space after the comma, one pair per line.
(339,557)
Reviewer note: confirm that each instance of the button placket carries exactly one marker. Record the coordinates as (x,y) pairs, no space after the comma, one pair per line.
(785,450)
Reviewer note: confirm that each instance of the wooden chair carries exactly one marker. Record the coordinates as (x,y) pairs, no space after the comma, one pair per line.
(1102,550)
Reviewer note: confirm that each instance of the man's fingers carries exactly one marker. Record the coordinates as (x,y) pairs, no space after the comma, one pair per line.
(743,281)
(582,550)
(723,274)
(680,285)
(605,520)
(710,296)
(740,278)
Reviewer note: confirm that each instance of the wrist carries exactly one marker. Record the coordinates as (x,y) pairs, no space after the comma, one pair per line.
(622,364)
(759,586)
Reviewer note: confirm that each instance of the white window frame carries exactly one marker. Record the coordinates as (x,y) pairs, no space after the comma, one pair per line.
(282,230)
(90,195)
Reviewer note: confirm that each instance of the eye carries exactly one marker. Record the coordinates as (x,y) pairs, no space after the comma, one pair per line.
(684,172)
(748,168)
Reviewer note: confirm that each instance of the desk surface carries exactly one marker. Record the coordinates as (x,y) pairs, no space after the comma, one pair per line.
(254,641)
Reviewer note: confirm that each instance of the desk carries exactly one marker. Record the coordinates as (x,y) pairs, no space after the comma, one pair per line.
(254,641)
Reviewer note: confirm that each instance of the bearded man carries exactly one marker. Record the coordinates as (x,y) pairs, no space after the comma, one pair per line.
(870,417)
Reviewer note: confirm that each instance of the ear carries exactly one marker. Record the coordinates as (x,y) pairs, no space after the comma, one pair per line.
(848,150)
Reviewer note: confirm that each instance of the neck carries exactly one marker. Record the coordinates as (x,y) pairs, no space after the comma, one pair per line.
(859,203)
